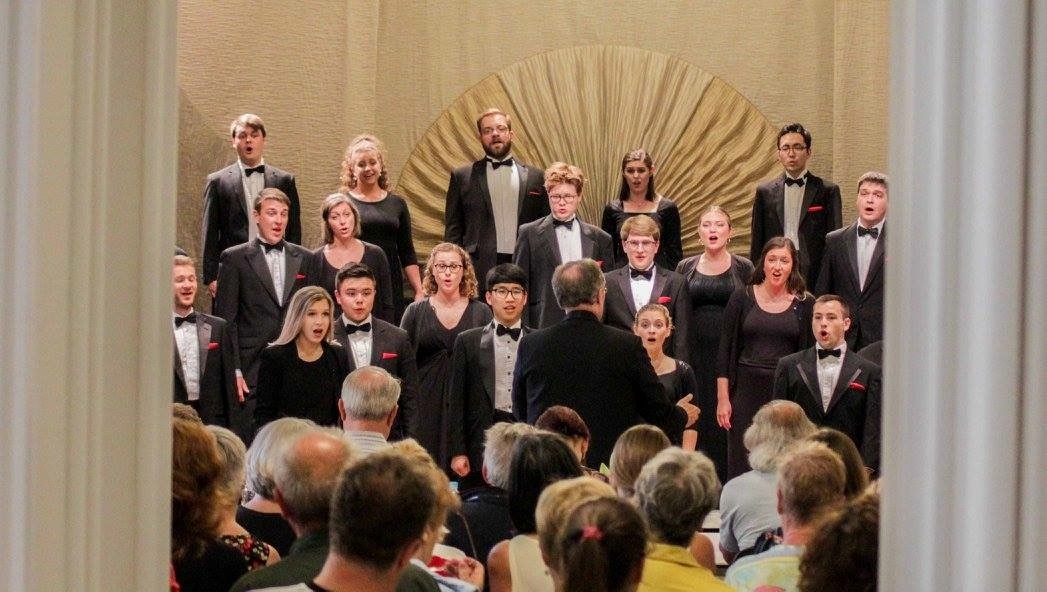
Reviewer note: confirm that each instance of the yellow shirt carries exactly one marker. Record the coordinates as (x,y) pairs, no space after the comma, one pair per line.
(670,568)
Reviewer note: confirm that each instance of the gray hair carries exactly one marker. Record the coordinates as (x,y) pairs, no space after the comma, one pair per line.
(265,452)
(308,473)
(577,282)
(231,450)
(675,491)
(370,393)
(776,427)
(498,450)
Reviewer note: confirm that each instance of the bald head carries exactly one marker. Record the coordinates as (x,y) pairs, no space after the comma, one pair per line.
(578,285)
(307,474)
(775,428)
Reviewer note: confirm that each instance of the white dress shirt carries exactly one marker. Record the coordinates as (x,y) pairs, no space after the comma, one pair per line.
(642,288)
(253,185)
(791,209)
(866,247)
(504,186)
(189,353)
(829,373)
(504,361)
(274,259)
(360,343)
(569,241)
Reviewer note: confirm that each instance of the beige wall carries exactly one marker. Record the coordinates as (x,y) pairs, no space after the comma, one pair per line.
(323,71)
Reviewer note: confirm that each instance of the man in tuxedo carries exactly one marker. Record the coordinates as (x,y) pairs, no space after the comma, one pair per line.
(256,282)
(853,266)
(230,193)
(205,357)
(490,199)
(601,372)
(484,358)
(835,386)
(796,204)
(370,341)
(642,282)
(555,239)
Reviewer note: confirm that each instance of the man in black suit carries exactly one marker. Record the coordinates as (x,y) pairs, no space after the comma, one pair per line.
(484,358)
(490,199)
(796,204)
(642,282)
(853,266)
(835,386)
(204,355)
(370,341)
(230,193)
(256,282)
(601,372)
(555,239)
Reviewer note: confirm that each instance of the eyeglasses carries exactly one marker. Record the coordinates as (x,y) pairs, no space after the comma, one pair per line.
(517,293)
(490,130)
(792,148)
(564,197)
(640,244)
(442,267)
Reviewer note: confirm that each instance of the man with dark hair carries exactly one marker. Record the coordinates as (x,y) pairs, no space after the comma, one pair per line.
(835,386)
(490,199)
(796,204)
(370,341)
(231,192)
(601,372)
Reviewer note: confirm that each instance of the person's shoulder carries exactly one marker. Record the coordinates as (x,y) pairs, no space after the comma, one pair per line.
(531,227)
(387,326)
(665,203)
(215,175)
(768,184)
(279,172)
(416,579)
(466,170)
(471,335)
(794,358)
(299,249)
(742,262)
(237,251)
(839,234)
(217,322)
(825,183)
(596,231)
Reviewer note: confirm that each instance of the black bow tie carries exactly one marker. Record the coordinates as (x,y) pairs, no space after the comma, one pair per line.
(825,353)
(278,246)
(351,328)
(503,330)
(873,232)
(258,169)
(500,163)
(568,224)
(637,274)
(189,318)
(790,181)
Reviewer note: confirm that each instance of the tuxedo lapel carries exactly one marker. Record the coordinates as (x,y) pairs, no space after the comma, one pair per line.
(480,174)
(234,181)
(292,264)
(549,242)
(851,244)
(203,337)
(808,370)
(809,190)
(849,371)
(627,289)
(257,261)
(379,343)
(486,360)
(778,195)
(661,276)
(588,242)
(876,263)
(179,371)
(521,172)
(270,176)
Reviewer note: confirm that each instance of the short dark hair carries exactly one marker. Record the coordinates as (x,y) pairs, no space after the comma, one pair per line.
(854,466)
(270,193)
(538,460)
(794,128)
(645,157)
(577,282)
(507,273)
(352,271)
(247,120)
(564,421)
(374,529)
(834,298)
(842,553)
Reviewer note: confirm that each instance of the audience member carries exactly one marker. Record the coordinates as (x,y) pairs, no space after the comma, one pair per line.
(600,548)
(637,196)
(183,411)
(368,408)
(842,555)
(841,444)
(634,448)
(556,503)
(653,325)
(567,423)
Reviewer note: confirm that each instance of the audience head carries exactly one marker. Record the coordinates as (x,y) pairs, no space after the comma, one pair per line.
(307,474)
(578,284)
(567,423)
(183,411)
(369,396)
(449,269)
(247,133)
(794,148)
(842,554)
(779,266)
(601,547)
(811,479)
(308,317)
(271,211)
(364,162)
(496,133)
(872,198)
(538,460)
(637,175)
(675,491)
(355,288)
(340,218)
(196,479)
(776,427)
(714,229)
(830,321)
(266,451)
(631,451)
(841,444)
(507,292)
(499,441)
(231,451)
(185,284)
(640,238)
(563,184)
(558,501)
(381,532)
(446,499)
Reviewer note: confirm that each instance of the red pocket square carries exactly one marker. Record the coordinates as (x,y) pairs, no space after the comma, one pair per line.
(212,345)
(299,276)
(814,209)
(856,386)
(390,355)
(664,300)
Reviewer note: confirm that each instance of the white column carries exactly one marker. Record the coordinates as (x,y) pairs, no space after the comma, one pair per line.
(964,450)
(87,178)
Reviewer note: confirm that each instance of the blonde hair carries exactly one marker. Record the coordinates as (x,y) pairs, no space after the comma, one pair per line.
(446,499)
(468,287)
(362,143)
(558,500)
(300,303)
(641,225)
(561,172)
(653,307)
(634,448)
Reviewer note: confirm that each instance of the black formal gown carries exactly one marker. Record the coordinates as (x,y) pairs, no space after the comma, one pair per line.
(667,215)
(433,344)
(288,386)
(387,223)
(680,382)
(374,258)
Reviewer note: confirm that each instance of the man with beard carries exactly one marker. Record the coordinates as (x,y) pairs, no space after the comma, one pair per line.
(488,200)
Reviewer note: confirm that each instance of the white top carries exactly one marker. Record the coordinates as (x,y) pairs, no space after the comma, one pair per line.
(569,240)
(866,246)
(641,287)
(791,209)
(360,342)
(504,186)
(189,352)
(829,373)
(504,361)
(526,568)
(253,185)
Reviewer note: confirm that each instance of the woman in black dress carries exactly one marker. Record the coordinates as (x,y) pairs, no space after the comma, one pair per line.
(763,322)
(384,217)
(653,325)
(712,277)
(341,230)
(637,196)
(301,372)
(433,324)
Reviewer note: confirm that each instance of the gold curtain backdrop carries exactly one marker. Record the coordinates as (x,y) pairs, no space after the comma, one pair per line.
(591,105)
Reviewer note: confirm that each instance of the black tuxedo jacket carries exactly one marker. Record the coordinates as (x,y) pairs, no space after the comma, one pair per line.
(469,215)
(601,372)
(854,408)
(217,362)
(226,216)
(670,289)
(392,351)
(538,254)
(471,395)
(839,276)
(820,213)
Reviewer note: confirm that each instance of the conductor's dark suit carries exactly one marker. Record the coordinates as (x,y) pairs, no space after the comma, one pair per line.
(670,290)
(601,372)
(469,215)
(217,368)
(226,215)
(854,408)
(538,254)
(820,213)
(392,351)
(839,276)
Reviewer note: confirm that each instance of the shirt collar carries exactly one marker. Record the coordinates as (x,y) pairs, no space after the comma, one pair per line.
(842,347)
